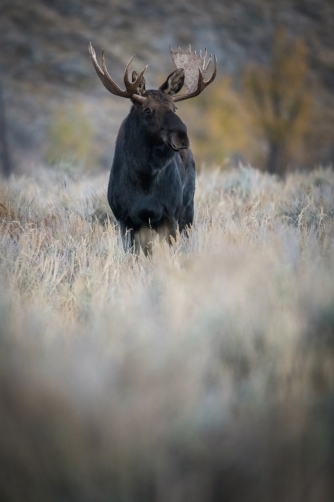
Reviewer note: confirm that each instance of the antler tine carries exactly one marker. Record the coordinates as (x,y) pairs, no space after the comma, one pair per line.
(95,63)
(207,65)
(201,84)
(118,90)
(131,87)
(109,83)
(105,78)
(214,73)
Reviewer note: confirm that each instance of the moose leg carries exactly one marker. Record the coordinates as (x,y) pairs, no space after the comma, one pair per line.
(136,248)
(145,237)
(127,235)
(186,219)
(167,231)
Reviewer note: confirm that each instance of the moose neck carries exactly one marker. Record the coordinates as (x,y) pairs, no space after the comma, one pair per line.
(144,151)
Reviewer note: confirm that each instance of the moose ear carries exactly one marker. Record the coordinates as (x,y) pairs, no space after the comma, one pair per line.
(174,82)
(141,87)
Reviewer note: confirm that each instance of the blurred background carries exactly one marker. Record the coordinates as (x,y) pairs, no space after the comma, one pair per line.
(271,104)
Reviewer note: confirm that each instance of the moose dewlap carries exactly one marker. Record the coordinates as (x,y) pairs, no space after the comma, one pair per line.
(152,178)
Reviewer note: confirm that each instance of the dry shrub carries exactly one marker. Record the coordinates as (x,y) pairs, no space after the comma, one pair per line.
(204,373)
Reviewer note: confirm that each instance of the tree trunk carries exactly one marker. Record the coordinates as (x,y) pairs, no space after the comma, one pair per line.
(6,163)
(273,157)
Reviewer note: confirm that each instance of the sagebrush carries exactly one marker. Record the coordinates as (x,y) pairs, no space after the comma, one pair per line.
(203,373)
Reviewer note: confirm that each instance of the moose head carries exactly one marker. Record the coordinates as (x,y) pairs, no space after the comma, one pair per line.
(156,108)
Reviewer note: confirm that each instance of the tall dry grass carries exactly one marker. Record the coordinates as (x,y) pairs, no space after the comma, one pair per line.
(205,373)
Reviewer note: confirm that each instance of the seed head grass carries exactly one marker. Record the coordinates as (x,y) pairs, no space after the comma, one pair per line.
(202,373)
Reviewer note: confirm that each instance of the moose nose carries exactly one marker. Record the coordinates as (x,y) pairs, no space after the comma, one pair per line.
(179,140)
(184,140)
(176,132)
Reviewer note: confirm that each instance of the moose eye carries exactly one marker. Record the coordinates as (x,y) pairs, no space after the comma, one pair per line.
(148,111)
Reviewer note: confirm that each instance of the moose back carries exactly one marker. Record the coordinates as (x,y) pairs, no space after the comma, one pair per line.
(152,178)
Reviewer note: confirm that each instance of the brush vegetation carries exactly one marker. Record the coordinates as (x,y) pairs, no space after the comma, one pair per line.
(203,373)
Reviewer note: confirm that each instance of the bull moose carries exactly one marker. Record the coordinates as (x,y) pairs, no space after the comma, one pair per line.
(152,178)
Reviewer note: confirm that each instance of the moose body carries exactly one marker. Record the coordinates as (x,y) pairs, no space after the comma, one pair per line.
(151,184)
(152,179)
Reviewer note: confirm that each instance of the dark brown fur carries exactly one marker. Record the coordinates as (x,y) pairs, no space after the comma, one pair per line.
(152,179)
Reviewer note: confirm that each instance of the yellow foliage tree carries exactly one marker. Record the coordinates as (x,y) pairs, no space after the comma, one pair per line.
(280,101)
(69,135)
(218,124)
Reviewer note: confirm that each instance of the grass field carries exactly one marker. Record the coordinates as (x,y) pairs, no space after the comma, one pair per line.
(204,373)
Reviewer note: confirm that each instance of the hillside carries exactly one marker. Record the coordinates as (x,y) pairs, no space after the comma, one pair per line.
(44,62)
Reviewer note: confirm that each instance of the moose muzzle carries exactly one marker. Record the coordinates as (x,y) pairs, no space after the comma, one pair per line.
(175,133)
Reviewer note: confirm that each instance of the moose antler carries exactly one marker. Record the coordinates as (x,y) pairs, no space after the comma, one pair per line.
(195,69)
(107,81)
